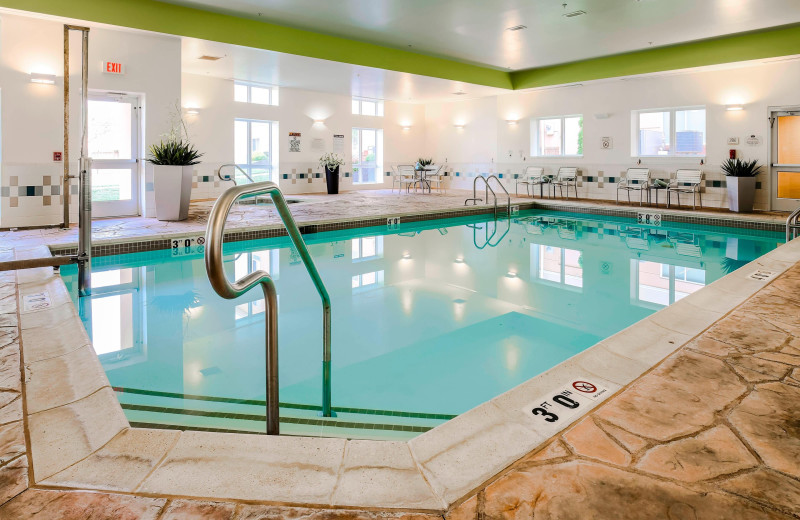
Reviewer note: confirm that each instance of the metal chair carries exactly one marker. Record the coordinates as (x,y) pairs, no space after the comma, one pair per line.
(532,176)
(404,175)
(686,181)
(636,179)
(436,175)
(567,176)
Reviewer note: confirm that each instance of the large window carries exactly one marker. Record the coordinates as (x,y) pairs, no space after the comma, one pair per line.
(244,92)
(367,155)
(557,265)
(367,248)
(557,136)
(678,132)
(246,263)
(664,284)
(367,107)
(366,281)
(255,148)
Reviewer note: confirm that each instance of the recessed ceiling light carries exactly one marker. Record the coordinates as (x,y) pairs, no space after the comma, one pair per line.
(573,14)
(207,57)
(516,28)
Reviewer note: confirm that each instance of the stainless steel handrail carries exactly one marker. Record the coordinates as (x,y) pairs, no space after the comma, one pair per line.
(508,196)
(216,275)
(233,178)
(486,180)
(793,225)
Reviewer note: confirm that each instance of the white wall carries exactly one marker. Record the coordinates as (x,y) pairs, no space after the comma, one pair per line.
(32,115)
(486,140)
(212,132)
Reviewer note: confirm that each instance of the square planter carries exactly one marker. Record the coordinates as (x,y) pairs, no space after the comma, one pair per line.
(741,193)
(173,191)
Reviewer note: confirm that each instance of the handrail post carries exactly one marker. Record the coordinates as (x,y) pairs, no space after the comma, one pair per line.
(216,276)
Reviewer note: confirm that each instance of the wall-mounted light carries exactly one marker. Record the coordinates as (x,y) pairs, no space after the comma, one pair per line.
(406,127)
(459,126)
(604,115)
(734,108)
(44,79)
(459,260)
(512,122)
(319,121)
(511,274)
(406,255)
(192,111)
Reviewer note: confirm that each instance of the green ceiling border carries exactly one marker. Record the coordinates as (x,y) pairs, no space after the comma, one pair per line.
(770,43)
(179,20)
(153,15)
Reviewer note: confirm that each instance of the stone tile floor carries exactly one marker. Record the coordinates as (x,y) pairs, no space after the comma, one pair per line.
(712,432)
(310,208)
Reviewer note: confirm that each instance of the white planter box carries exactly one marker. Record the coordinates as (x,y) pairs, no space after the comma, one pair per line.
(173,190)
(741,193)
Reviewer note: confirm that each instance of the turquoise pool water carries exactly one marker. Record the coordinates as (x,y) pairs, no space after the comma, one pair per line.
(429,320)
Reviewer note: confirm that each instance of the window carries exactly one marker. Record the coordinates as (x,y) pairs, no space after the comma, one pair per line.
(664,284)
(675,132)
(255,148)
(246,263)
(253,93)
(367,107)
(557,265)
(116,312)
(367,248)
(557,136)
(367,155)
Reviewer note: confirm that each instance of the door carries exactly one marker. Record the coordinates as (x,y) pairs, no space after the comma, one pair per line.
(367,143)
(114,149)
(785,154)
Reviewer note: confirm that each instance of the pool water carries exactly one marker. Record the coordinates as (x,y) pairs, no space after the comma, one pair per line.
(429,320)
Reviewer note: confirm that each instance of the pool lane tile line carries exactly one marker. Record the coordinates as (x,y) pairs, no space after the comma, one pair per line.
(286,420)
(292,406)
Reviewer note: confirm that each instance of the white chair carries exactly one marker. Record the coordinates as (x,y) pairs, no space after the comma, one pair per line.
(435,175)
(686,181)
(636,179)
(566,177)
(404,175)
(532,176)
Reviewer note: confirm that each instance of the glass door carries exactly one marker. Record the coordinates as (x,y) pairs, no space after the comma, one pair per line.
(114,149)
(785,167)
(367,144)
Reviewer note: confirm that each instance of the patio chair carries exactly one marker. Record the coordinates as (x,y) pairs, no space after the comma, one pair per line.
(567,176)
(635,238)
(436,176)
(636,179)
(685,244)
(532,176)
(404,175)
(686,181)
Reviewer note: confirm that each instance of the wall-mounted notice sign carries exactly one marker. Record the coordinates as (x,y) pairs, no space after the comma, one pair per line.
(113,67)
(338,143)
(294,141)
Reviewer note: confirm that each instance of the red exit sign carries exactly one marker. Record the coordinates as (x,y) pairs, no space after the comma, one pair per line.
(113,67)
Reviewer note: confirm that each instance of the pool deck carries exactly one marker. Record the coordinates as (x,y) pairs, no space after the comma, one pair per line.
(701,419)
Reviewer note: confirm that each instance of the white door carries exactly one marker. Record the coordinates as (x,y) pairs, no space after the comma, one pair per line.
(785,154)
(114,149)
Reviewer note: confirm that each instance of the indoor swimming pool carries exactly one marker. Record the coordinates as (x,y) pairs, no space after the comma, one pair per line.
(429,320)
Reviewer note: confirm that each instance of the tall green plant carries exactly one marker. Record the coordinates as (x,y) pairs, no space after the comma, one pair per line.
(174,149)
(740,168)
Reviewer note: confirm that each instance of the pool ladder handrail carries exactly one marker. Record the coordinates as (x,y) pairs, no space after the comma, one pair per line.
(793,225)
(232,178)
(488,241)
(216,275)
(488,189)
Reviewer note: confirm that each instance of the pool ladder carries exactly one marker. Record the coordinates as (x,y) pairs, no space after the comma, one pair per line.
(488,190)
(216,275)
(793,225)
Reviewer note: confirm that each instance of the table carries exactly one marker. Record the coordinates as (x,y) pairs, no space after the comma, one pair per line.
(422,181)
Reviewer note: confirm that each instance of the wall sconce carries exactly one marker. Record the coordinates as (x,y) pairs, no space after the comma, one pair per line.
(459,260)
(192,111)
(734,108)
(319,121)
(602,116)
(44,79)
(511,274)
(406,128)
(406,255)
(459,126)
(512,122)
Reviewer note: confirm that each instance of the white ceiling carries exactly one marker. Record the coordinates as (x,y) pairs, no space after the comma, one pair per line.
(288,70)
(474,30)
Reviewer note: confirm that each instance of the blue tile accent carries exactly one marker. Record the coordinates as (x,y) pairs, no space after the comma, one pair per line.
(500,175)
(317,175)
(285,176)
(148,186)
(5,191)
(458,174)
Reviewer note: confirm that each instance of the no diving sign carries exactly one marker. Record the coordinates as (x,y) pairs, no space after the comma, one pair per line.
(36,302)
(567,401)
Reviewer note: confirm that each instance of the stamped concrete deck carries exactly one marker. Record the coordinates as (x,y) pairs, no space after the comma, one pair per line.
(712,431)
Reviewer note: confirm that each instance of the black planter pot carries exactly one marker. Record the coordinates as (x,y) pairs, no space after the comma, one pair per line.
(332,179)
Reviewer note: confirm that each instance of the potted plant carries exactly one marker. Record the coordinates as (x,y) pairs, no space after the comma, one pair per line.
(423,163)
(331,163)
(172,159)
(741,177)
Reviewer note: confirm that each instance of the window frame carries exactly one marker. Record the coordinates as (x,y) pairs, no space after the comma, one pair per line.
(537,266)
(636,131)
(274,98)
(535,141)
(378,156)
(379,108)
(273,146)
(671,290)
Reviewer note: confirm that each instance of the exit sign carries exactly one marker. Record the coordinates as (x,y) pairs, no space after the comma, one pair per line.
(113,67)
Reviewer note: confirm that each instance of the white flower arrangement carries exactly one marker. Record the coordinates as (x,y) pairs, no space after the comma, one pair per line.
(331,161)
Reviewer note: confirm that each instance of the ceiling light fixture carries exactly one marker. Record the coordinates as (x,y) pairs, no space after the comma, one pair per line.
(44,79)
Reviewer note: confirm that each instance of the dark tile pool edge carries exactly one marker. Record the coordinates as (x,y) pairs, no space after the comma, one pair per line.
(277,230)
